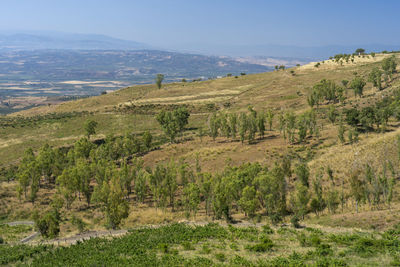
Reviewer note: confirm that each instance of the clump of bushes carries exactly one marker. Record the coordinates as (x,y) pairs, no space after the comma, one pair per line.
(265,245)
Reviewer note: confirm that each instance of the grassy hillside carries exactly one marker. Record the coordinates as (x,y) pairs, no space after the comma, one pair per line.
(132,110)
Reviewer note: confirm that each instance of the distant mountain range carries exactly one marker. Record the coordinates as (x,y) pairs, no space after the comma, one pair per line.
(56,40)
(32,40)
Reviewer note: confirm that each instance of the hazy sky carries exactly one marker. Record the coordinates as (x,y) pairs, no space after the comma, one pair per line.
(245,22)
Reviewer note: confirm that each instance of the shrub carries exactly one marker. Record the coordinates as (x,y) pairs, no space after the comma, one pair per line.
(240,261)
(49,224)
(78,223)
(187,245)
(205,249)
(315,240)
(314,230)
(295,222)
(276,218)
(324,250)
(234,246)
(302,238)
(220,256)
(327,261)
(367,247)
(163,247)
(265,245)
(267,229)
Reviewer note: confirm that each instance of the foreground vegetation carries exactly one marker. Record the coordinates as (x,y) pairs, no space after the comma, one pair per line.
(214,245)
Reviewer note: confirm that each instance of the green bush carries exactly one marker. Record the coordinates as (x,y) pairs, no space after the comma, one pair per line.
(368,247)
(327,262)
(265,245)
(234,246)
(295,222)
(276,218)
(48,224)
(78,223)
(267,229)
(315,240)
(324,250)
(220,256)
(240,261)
(187,245)
(205,249)
(302,238)
(163,247)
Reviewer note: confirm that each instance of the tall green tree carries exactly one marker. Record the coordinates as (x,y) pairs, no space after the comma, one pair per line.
(290,119)
(90,127)
(147,138)
(270,118)
(301,200)
(67,185)
(252,127)
(360,51)
(243,126)
(332,114)
(191,198)
(248,201)
(357,84)
(46,160)
(159,80)
(357,189)
(173,122)
(303,173)
(261,124)
(27,173)
(389,66)
(141,185)
(170,183)
(213,124)
(233,124)
(225,125)
(111,196)
(272,188)
(375,77)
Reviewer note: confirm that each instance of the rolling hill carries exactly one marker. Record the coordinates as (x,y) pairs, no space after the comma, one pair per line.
(342,153)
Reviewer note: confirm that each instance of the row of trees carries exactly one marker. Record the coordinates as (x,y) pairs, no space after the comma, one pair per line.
(173,122)
(251,188)
(72,170)
(82,173)
(378,115)
(372,186)
(245,126)
(388,69)
(325,90)
(302,125)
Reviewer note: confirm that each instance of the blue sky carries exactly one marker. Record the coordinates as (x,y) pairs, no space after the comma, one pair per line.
(218,22)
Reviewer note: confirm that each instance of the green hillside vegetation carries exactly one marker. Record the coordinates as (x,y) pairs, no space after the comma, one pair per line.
(214,245)
(306,145)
